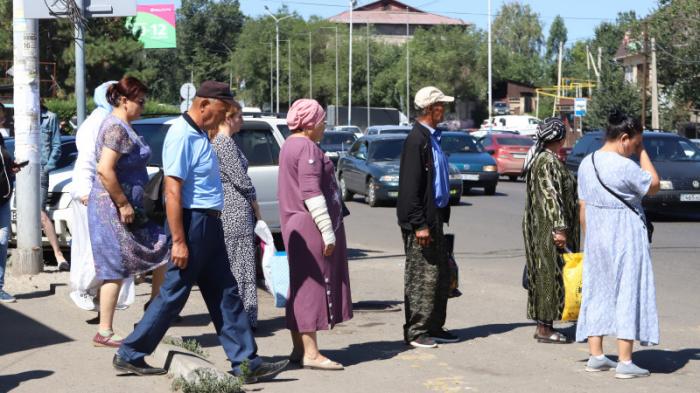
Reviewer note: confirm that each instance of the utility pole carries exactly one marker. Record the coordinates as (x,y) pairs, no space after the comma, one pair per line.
(337,90)
(600,67)
(28,258)
(311,72)
(489,67)
(645,76)
(556,100)
(352,5)
(80,64)
(654,88)
(289,73)
(408,68)
(271,81)
(368,97)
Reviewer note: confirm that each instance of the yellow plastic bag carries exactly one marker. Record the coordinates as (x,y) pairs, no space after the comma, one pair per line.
(573,277)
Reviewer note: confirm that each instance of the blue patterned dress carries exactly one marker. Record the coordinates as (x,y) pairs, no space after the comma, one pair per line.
(119,250)
(619,297)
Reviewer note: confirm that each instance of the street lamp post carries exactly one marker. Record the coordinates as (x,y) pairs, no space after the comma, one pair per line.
(368,76)
(277,50)
(337,100)
(352,5)
(311,73)
(489,77)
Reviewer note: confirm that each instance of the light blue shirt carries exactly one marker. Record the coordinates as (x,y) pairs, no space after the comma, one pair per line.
(188,155)
(441,183)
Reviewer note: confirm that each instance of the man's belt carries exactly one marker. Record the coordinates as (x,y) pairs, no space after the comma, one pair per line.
(209,212)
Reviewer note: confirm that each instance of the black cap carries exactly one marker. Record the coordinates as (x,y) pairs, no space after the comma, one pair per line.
(213,89)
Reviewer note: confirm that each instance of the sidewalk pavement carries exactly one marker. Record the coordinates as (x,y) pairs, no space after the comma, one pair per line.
(46,342)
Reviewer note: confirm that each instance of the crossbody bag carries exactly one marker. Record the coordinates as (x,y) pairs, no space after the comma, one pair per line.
(647,223)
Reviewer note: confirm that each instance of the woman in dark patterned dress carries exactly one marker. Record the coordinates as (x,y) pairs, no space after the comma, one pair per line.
(551,224)
(241,209)
(124,241)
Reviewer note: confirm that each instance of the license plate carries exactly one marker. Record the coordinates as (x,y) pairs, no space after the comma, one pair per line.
(393,194)
(470,177)
(519,155)
(690,197)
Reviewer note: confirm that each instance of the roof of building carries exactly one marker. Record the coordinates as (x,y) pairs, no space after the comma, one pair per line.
(394,12)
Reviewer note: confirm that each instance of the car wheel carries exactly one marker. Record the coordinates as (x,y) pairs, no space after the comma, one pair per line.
(513,178)
(371,195)
(490,190)
(344,193)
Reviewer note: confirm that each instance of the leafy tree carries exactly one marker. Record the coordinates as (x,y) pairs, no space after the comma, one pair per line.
(614,92)
(518,29)
(557,35)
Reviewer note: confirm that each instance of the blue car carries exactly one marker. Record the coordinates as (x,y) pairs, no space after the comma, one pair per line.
(477,169)
(371,168)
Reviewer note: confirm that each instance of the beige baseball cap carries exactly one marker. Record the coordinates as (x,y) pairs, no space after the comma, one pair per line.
(430,95)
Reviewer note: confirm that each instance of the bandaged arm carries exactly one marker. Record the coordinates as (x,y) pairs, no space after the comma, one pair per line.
(319,212)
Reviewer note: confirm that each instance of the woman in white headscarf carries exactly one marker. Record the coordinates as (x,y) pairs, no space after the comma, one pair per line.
(82,273)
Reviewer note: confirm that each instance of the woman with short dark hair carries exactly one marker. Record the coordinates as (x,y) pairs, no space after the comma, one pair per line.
(124,240)
(619,297)
(550,226)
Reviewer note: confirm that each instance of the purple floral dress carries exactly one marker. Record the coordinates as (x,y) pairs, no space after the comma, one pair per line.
(121,251)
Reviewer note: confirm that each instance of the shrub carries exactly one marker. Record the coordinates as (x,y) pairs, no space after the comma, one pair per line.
(207,381)
(191,345)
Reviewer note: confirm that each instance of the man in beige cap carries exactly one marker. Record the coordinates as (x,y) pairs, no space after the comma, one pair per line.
(422,209)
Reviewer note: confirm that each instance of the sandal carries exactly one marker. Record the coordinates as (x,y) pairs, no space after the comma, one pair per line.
(554,338)
(326,364)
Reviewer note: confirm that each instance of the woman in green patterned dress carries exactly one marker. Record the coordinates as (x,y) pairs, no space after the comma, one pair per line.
(550,225)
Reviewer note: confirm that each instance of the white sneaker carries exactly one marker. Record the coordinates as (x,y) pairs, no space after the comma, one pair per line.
(63,266)
(83,300)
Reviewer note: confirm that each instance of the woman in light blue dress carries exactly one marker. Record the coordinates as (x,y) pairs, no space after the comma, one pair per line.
(619,297)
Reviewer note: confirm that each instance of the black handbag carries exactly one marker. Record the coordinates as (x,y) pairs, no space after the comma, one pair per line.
(647,223)
(153,199)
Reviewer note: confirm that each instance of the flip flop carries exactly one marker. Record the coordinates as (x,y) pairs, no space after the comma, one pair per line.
(554,338)
(322,365)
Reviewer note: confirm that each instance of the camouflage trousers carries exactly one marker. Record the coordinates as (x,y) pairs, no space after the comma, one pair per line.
(426,284)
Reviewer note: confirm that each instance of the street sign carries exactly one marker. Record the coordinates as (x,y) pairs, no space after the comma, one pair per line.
(52,9)
(580,106)
(185,105)
(187,91)
(156,22)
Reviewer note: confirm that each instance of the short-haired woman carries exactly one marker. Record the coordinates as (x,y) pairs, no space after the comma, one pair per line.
(241,209)
(311,214)
(619,297)
(124,241)
(551,224)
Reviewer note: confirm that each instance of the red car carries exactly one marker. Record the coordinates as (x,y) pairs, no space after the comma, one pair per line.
(509,151)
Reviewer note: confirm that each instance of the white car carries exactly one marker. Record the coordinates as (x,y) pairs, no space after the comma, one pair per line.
(523,124)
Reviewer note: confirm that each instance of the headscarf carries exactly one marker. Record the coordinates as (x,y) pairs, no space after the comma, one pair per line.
(305,114)
(100,96)
(551,129)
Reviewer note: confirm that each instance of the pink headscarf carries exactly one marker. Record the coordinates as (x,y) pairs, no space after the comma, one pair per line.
(305,114)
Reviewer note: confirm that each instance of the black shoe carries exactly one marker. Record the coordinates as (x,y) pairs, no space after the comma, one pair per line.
(265,371)
(423,341)
(138,367)
(443,336)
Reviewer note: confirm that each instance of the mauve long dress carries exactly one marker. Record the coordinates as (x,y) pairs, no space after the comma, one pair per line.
(319,287)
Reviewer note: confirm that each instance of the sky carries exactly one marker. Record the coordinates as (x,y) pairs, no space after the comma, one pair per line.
(581,16)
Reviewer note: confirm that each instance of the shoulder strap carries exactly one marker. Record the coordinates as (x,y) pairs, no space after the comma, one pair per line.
(613,193)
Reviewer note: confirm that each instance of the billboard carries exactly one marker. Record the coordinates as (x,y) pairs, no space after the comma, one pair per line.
(156,21)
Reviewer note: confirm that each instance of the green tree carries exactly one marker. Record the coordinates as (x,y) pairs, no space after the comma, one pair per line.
(557,35)
(518,29)
(614,93)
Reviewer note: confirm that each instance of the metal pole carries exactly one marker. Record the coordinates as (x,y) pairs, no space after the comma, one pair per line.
(311,72)
(337,91)
(28,258)
(408,70)
(489,67)
(289,73)
(654,88)
(352,5)
(271,82)
(368,96)
(556,99)
(645,75)
(80,66)
(277,61)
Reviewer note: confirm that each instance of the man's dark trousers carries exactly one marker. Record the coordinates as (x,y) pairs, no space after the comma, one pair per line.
(426,284)
(207,266)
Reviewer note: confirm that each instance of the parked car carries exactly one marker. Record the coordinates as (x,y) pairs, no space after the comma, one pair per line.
(696,142)
(677,161)
(58,198)
(509,151)
(371,168)
(336,143)
(480,134)
(259,139)
(354,129)
(524,124)
(476,168)
(500,108)
(386,130)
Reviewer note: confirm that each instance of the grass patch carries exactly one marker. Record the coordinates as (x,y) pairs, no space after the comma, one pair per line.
(191,345)
(207,381)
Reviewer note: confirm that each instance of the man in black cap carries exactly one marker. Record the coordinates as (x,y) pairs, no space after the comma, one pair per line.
(194,200)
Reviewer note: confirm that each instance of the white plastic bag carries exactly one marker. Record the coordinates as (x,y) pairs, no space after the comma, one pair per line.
(274,265)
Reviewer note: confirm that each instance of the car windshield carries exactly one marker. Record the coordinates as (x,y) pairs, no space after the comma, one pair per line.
(388,150)
(459,144)
(671,149)
(69,151)
(284,129)
(395,131)
(343,140)
(350,129)
(154,136)
(515,141)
